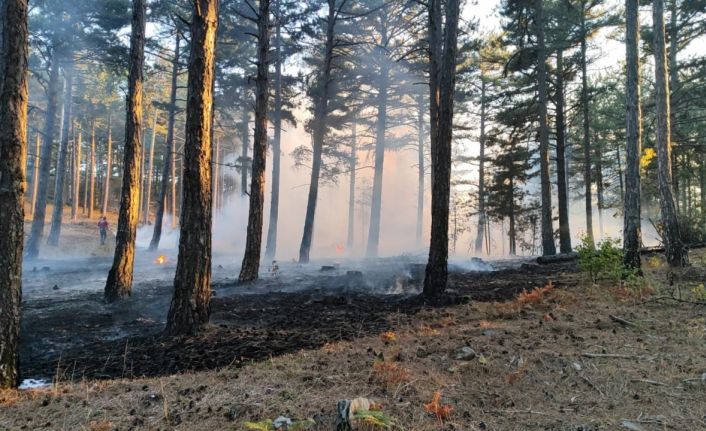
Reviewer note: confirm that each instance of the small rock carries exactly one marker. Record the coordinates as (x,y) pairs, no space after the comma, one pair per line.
(576,366)
(56,287)
(327,268)
(464,353)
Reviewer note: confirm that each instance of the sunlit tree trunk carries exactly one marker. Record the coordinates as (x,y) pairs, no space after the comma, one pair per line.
(149,173)
(37,231)
(481,228)
(562,183)
(13,146)
(119,283)
(436,275)
(675,251)
(319,133)
(190,306)
(548,246)
(108,168)
(421,137)
(352,166)
(76,189)
(271,248)
(253,242)
(586,128)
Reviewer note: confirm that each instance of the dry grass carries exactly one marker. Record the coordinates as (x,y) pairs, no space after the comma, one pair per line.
(530,372)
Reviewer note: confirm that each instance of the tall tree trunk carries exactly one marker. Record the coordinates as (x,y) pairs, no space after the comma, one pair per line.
(675,251)
(35,173)
(92,172)
(436,275)
(58,212)
(421,137)
(271,248)
(119,283)
(245,137)
(482,221)
(586,127)
(108,168)
(548,246)
(352,166)
(13,146)
(149,173)
(253,242)
(76,190)
(37,232)
(511,217)
(216,171)
(319,133)
(380,132)
(673,70)
(168,154)
(702,191)
(174,182)
(190,307)
(562,183)
(600,196)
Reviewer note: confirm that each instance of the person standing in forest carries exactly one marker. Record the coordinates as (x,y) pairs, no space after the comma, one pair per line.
(103,228)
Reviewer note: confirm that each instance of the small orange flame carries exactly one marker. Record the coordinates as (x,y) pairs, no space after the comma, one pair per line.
(161,260)
(340,248)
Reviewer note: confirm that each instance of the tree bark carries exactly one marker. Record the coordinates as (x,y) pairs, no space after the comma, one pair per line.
(352,166)
(76,190)
(600,197)
(548,246)
(253,242)
(174,181)
(119,283)
(482,221)
(58,212)
(319,132)
(675,251)
(436,274)
(39,213)
(168,154)
(271,248)
(108,169)
(562,182)
(13,146)
(586,128)
(190,307)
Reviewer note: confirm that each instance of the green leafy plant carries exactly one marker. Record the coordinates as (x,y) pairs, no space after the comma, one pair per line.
(699,292)
(374,417)
(268,425)
(604,261)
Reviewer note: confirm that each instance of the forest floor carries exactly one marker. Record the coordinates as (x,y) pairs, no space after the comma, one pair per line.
(521,348)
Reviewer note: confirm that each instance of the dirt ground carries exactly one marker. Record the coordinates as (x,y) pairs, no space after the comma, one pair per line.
(571,356)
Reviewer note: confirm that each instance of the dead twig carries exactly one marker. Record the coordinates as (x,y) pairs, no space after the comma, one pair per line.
(591,384)
(625,322)
(648,381)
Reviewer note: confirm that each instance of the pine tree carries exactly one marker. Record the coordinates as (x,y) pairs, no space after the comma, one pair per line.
(190,306)
(119,283)
(13,145)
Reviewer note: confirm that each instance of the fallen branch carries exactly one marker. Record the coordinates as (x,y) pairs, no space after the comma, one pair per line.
(621,320)
(649,382)
(591,384)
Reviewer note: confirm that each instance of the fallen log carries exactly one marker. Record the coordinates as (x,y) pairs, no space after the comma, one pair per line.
(557,258)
